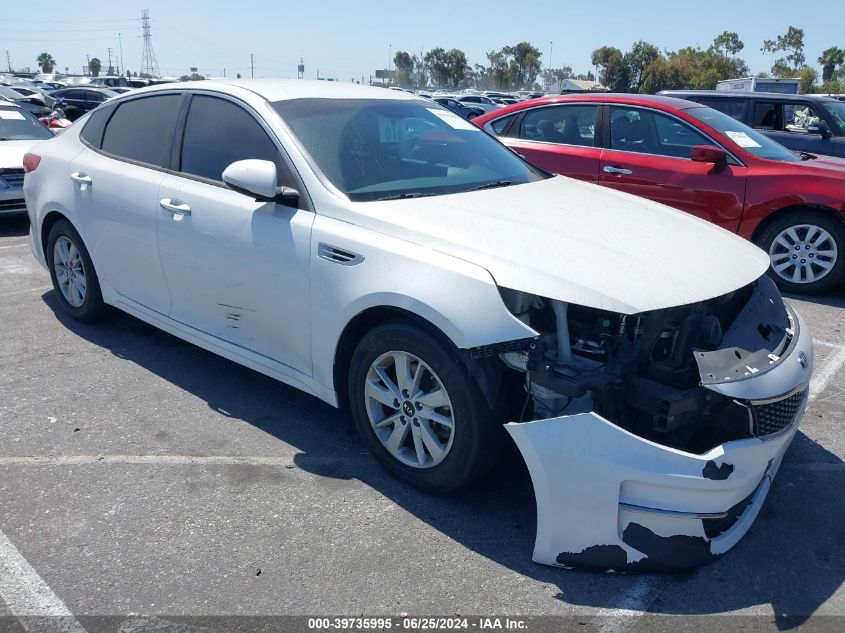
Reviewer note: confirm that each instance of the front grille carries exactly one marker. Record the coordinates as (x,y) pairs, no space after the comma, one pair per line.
(13,177)
(9,206)
(774,417)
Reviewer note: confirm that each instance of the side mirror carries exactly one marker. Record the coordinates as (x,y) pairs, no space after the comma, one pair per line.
(820,128)
(708,154)
(258,179)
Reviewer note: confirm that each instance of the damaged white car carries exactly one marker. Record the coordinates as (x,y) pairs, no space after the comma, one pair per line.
(378,251)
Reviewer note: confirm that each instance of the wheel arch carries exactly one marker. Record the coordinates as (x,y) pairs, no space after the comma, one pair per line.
(485,374)
(47,223)
(776,215)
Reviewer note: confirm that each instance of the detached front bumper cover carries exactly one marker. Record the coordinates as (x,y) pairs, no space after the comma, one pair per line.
(609,499)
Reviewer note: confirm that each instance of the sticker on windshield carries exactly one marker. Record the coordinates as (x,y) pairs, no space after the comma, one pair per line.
(11,114)
(453,120)
(742,139)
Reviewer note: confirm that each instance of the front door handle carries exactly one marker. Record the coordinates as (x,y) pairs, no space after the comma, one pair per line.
(82,179)
(175,207)
(617,170)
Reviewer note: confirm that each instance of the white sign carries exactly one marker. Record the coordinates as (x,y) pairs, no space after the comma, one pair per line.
(453,120)
(742,139)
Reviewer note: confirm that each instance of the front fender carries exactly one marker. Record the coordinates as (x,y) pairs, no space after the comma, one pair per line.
(459,298)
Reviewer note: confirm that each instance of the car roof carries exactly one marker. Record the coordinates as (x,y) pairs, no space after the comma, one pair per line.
(744,95)
(283,89)
(660,102)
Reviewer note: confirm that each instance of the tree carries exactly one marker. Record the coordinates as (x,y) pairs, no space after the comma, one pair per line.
(553,76)
(636,61)
(807,77)
(792,44)
(94,66)
(404,65)
(614,73)
(47,63)
(728,43)
(829,60)
(457,67)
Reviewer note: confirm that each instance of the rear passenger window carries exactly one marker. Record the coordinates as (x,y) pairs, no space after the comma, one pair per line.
(734,108)
(142,129)
(217,134)
(563,124)
(92,133)
(767,116)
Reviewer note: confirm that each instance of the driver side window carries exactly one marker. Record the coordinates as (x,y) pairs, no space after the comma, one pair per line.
(218,133)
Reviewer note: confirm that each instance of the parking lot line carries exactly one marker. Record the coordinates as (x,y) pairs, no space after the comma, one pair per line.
(27,595)
(825,373)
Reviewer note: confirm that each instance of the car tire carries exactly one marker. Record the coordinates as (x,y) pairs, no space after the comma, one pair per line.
(806,251)
(476,437)
(471,116)
(72,271)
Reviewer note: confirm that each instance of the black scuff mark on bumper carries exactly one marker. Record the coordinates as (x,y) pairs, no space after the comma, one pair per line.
(717,473)
(663,554)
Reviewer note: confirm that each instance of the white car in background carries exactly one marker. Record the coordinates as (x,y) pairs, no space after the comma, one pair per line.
(479,101)
(382,253)
(19,131)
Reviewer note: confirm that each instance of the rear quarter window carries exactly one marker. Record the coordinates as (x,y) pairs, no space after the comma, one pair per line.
(92,133)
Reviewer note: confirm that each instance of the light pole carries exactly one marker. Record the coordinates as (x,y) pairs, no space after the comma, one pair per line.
(120,40)
(389,60)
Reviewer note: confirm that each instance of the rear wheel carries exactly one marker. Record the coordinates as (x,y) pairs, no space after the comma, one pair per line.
(418,411)
(806,251)
(73,275)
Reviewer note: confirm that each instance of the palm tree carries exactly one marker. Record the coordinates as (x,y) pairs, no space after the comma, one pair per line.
(94,66)
(830,59)
(47,63)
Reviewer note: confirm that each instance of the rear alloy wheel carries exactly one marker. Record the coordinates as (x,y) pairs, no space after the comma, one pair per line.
(73,275)
(419,411)
(807,252)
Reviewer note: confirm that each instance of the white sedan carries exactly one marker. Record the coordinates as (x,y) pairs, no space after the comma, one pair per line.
(383,254)
(19,131)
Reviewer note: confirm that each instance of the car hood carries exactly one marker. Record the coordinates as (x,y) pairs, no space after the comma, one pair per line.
(581,243)
(829,165)
(12,152)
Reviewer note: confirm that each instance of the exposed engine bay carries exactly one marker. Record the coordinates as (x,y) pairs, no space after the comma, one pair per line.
(649,373)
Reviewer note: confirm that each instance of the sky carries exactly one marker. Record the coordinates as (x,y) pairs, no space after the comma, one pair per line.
(348,40)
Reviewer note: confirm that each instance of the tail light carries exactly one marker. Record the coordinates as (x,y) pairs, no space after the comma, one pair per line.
(30,162)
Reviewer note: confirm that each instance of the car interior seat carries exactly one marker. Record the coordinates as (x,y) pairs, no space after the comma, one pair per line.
(547,132)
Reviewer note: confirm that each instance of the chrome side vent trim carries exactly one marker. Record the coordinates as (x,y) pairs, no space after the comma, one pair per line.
(338,255)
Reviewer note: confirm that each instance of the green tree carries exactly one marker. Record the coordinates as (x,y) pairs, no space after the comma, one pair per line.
(94,66)
(613,73)
(457,67)
(46,62)
(807,76)
(728,43)
(437,62)
(792,45)
(829,60)
(404,65)
(636,61)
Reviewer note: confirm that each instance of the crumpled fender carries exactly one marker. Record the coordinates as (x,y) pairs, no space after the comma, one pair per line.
(609,499)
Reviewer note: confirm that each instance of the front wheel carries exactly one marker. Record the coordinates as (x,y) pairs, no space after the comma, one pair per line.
(807,252)
(418,411)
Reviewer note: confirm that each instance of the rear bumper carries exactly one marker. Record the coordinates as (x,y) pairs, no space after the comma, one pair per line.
(11,200)
(609,499)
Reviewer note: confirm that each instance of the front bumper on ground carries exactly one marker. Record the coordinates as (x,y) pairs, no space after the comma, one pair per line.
(609,499)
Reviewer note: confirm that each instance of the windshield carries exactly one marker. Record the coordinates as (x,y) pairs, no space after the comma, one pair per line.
(9,93)
(377,149)
(747,138)
(837,110)
(17,125)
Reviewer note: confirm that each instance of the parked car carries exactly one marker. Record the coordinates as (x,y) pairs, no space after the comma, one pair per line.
(381,252)
(467,111)
(479,101)
(81,99)
(699,160)
(110,81)
(19,131)
(803,123)
(33,106)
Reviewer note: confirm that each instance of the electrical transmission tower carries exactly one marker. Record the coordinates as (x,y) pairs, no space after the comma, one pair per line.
(149,63)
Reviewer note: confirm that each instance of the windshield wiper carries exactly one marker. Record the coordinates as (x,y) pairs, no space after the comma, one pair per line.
(494,185)
(806,156)
(400,196)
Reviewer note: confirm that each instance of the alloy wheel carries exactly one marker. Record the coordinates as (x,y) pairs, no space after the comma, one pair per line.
(409,409)
(70,271)
(803,253)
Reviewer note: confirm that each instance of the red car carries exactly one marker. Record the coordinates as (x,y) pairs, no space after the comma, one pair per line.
(698,160)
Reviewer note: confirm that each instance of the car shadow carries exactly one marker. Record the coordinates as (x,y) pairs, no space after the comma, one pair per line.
(495,517)
(14,225)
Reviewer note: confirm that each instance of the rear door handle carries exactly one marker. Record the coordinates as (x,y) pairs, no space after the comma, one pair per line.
(82,179)
(617,170)
(175,207)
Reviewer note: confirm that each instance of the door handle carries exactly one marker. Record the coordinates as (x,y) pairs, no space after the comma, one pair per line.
(617,170)
(175,207)
(82,179)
